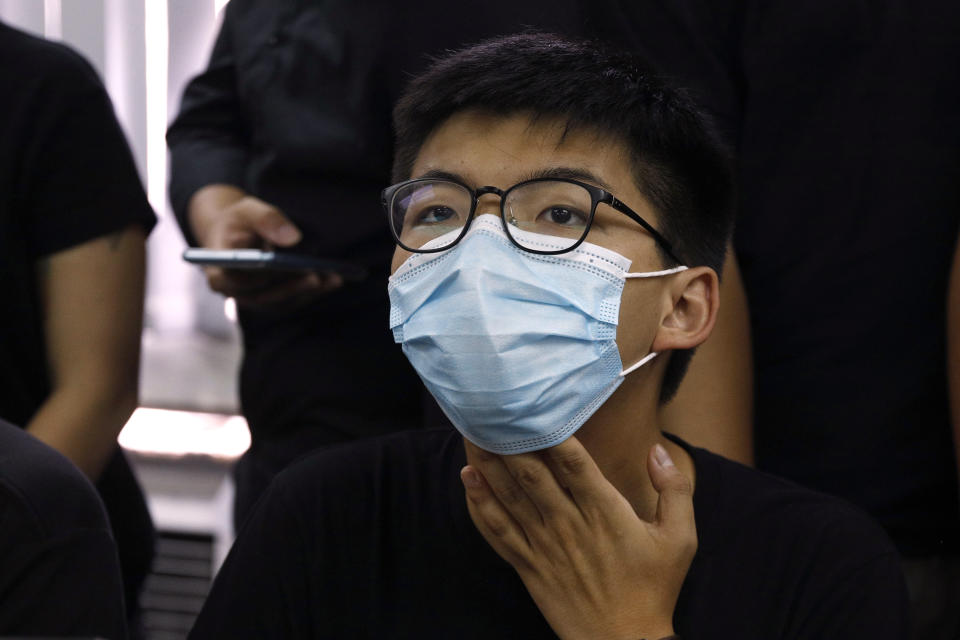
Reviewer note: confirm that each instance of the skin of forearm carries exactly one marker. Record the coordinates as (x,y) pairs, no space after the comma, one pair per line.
(83,423)
(93,313)
(953,351)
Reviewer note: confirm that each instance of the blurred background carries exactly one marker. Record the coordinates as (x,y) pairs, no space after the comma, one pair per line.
(186,434)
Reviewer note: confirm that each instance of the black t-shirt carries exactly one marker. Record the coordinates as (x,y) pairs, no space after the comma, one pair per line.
(59,573)
(66,177)
(373,540)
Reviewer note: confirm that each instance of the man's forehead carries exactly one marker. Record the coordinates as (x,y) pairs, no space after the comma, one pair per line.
(561,173)
(472,146)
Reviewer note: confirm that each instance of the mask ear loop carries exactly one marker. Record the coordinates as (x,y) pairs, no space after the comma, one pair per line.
(644,360)
(649,274)
(654,274)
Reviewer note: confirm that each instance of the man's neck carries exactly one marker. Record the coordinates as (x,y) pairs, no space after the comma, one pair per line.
(619,439)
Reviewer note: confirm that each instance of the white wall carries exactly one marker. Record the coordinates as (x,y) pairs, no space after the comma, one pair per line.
(23,14)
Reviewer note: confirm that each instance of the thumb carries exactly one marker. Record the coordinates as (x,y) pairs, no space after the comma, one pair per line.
(272,225)
(675,503)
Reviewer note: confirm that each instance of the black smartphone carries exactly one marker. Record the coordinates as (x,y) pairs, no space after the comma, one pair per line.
(256,259)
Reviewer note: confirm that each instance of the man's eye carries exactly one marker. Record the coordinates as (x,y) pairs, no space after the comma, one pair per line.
(433,215)
(563,216)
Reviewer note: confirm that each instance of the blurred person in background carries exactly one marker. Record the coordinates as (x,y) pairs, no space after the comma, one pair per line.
(845,120)
(60,576)
(285,140)
(73,223)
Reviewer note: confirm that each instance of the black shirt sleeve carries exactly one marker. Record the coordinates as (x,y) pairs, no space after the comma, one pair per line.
(852,572)
(869,601)
(208,140)
(79,178)
(802,565)
(263,588)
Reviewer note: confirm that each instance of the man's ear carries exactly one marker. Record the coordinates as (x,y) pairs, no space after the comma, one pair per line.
(691,300)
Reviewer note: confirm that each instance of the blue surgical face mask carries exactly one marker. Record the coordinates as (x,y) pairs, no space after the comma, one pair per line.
(517,348)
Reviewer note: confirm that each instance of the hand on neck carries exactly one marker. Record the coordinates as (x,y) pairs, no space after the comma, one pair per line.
(619,437)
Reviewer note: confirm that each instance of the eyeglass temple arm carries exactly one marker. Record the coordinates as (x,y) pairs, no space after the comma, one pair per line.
(627,211)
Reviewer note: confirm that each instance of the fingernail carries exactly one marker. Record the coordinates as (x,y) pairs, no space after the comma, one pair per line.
(663,458)
(470,478)
(285,234)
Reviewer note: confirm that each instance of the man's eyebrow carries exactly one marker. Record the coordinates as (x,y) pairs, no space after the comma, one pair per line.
(568,173)
(438,174)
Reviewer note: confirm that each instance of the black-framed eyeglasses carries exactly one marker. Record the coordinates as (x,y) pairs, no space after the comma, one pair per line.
(425,209)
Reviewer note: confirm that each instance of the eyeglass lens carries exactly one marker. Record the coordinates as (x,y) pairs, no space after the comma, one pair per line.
(425,210)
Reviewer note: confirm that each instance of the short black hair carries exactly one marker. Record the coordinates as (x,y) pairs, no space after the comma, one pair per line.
(679,162)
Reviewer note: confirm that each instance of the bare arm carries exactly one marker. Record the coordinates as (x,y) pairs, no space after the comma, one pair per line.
(953,347)
(92,297)
(714,407)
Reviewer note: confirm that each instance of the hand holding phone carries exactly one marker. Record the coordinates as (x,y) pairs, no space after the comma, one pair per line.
(224,217)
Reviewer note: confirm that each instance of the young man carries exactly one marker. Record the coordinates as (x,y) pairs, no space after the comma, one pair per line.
(273,143)
(561,216)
